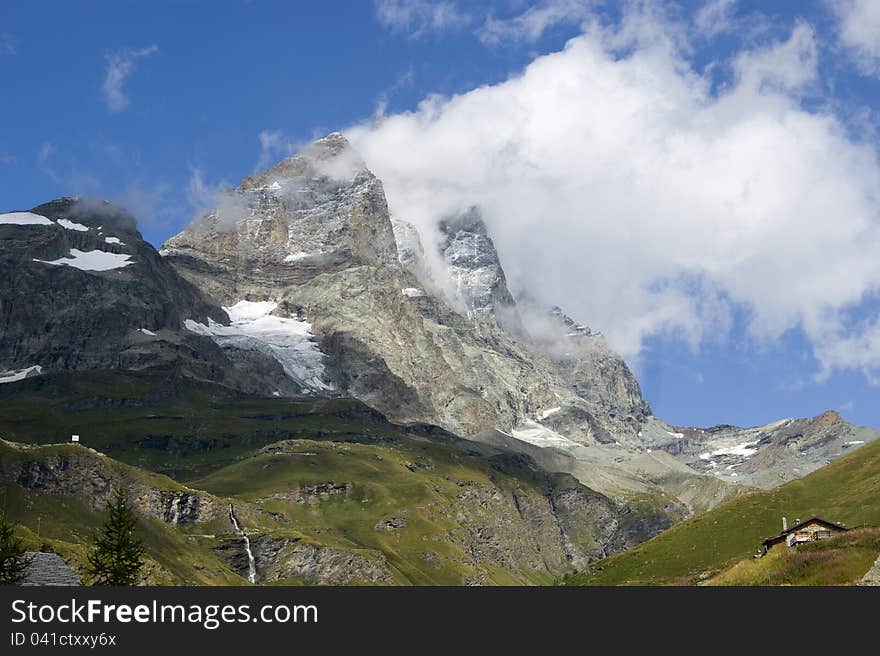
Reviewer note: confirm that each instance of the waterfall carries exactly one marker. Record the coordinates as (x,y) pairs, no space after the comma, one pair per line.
(252,567)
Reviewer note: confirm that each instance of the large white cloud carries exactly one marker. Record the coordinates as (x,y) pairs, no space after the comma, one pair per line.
(618,183)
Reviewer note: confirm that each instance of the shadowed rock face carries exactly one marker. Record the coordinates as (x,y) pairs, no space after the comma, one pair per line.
(82,474)
(82,288)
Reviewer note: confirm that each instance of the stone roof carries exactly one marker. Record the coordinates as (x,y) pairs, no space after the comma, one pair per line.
(873,575)
(49,569)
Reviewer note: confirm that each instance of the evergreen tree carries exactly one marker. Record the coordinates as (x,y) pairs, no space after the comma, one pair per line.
(118,555)
(13,559)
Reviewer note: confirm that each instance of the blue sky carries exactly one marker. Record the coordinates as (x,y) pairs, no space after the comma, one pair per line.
(156,104)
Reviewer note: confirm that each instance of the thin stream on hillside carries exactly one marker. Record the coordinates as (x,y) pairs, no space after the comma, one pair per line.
(252,567)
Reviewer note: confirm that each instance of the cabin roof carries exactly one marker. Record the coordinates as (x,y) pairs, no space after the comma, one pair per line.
(799,525)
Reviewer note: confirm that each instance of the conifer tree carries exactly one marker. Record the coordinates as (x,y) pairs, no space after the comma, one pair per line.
(13,559)
(118,555)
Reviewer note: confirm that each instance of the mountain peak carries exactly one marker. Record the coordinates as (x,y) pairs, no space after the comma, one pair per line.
(331,158)
(334,143)
(90,211)
(319,210)
(473,263)
(827,418)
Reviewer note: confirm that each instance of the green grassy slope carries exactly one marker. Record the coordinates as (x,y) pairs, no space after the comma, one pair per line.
(66,526)
(175,426)
(847,490)
(841,560)
(458,498)
(418,481)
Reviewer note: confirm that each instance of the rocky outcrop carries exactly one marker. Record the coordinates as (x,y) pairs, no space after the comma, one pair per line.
(179,507)
(80,473)
(473,265)
(872,578)
(279,559)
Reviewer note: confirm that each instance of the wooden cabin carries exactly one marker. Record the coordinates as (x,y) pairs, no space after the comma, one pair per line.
(808,530)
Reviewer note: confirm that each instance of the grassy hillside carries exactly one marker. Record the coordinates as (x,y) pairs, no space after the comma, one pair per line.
(847,490)
(399,508)
(421,511)
(416,482)
(415,502)
(175,426)
(841,560)
(66,526)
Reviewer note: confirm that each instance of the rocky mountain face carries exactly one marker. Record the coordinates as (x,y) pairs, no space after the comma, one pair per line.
(762,456)
(88,292)
(473,265)
(80,473)
(313,236)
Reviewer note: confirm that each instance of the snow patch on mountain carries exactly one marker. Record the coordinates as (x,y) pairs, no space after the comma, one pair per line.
(743,450)
(549,412)
(289,341)
(535,433)
(23,218)
(72,225)
(12,376)
(91,260)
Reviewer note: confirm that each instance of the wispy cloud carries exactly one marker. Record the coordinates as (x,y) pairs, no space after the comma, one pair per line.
(152,204)
(8,44)
(44,156)
(70,176)
(530,25)
(403,80)
(415,18)
(858,27)
(202,196)
(714,18)
(120,65)
(199,194)
(274,146)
